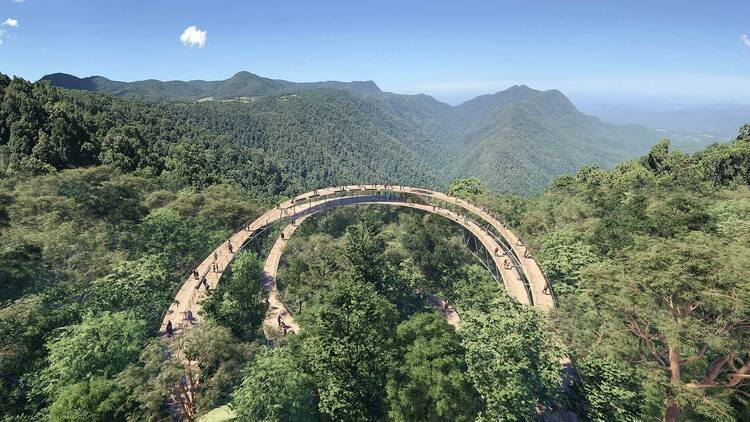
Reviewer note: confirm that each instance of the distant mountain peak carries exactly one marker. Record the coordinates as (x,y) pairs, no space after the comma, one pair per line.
(66,80)
(244,74)
(367,86)
(520,88)
(556,97)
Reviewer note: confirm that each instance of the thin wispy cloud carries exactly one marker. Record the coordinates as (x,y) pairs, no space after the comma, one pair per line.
(18,1)
(745,39)
(192,36)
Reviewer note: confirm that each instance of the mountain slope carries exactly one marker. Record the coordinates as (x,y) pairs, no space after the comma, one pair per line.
(516,140)
(242,84)
(520,139)
(304,140)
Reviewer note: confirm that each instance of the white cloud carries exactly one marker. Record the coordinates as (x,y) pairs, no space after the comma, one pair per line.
(18,1)
(11,22)
(193,36)
(745,40)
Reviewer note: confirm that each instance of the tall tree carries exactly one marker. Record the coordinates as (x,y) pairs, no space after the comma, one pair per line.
(683,306)
(102,344)
(347,342)
(276,388)
(188,375)
(512,360)
(364,249)
(428,381)
(237,304)
(606,389)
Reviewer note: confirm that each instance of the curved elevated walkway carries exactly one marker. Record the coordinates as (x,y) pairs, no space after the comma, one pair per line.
(276,307)
(488,230)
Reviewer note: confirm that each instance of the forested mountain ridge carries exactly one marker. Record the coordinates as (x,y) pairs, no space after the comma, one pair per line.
(282,142)
(517,140)
(529,135)
(241,85)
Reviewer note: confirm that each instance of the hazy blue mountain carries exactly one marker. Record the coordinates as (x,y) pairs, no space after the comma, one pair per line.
(689,126)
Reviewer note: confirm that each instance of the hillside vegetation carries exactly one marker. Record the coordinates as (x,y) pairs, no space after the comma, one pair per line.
(650,263)
(107,203)
(515,140)
(278,144)
(242,84)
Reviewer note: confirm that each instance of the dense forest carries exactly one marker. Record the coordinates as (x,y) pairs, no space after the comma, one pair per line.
(243,85)
(516,141)
(259,146)
(106,203)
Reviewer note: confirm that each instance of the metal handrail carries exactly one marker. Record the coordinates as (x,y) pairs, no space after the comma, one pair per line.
(421,193)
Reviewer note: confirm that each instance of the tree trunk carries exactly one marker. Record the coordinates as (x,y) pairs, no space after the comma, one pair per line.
(673,408)
(673,412)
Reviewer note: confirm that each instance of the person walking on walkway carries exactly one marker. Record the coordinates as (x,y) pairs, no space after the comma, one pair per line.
(189,316)
(280,320)
(216,256)
(170,330)
(195,274)
(229,246)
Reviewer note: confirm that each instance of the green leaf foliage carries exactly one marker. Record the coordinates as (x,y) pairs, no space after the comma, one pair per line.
(97,399)
(276,387)
(429,381)
(512,360)
(237,304)
(348,344)
(101,345)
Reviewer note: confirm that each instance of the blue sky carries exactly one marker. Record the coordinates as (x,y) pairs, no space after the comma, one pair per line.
(606,51)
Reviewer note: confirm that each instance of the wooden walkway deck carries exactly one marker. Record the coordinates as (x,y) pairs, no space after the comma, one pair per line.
(472,217)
